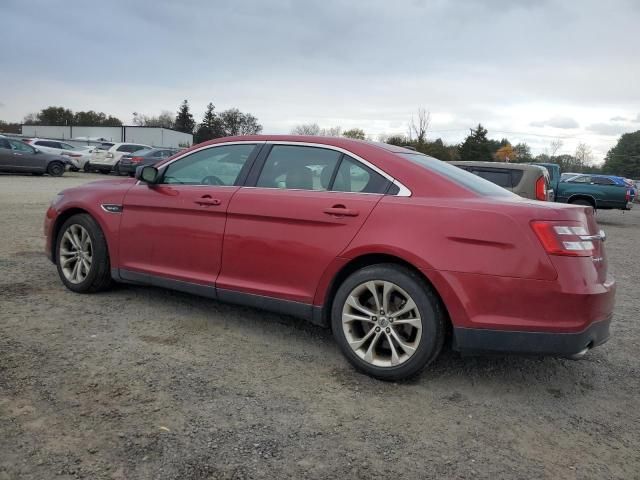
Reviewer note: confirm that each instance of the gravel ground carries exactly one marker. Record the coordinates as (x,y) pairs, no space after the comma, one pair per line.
(146,383)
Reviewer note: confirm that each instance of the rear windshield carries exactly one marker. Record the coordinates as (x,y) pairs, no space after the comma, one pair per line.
(458,175)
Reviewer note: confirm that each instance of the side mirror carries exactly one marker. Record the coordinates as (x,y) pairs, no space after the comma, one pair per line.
(35,150)
(147,174)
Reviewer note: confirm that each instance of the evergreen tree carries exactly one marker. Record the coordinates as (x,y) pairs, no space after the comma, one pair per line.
(184,120)
(211,126)
(476,146)
(624,158)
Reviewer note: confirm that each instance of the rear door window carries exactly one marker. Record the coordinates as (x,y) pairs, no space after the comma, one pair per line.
(299,168)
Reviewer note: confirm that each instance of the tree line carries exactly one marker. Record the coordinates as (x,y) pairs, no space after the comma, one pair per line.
(213,125)
(623,159)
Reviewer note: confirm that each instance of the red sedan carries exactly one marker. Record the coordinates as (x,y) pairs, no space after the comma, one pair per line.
(393,250)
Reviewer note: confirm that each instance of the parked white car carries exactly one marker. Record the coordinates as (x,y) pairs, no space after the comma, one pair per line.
(78,156)
(107,160)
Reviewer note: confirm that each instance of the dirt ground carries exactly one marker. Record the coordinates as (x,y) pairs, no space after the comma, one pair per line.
(143,383)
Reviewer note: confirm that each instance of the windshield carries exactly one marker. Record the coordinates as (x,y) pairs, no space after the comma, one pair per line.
(461,177)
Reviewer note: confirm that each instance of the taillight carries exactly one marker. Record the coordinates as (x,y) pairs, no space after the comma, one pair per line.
(561,238)
(74,155)
(541,189)
(136,159)
(627,196)
(109,155)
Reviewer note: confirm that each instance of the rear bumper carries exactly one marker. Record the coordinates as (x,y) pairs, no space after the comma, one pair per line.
(478,340)
(128,167)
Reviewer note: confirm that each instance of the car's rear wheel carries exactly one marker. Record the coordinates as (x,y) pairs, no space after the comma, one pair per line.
(87,167)
(581,201)
(55,169)
(116,169)
(388,322)
(82,257)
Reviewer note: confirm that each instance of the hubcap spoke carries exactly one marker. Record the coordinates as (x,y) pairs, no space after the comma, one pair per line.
(374,292)
(387,288)
(350,317)
(370,351)
(407,348)
(414,322)
(410,305)
(353,302)
(394,353)
(358,343)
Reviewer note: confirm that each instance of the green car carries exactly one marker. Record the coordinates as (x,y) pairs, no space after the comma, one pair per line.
(598,191)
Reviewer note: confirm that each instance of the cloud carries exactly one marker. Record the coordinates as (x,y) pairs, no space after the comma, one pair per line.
(619,119)
(557,122)
(637,120)
(610,129)
(367,64)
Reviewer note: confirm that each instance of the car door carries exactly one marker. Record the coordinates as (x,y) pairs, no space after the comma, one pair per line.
(174,229)
(25,158)
(6,156)
(301,207)
(609,193)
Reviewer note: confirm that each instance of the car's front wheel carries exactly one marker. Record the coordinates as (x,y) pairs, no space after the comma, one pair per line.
(82,256)
(55,169)
(388,321)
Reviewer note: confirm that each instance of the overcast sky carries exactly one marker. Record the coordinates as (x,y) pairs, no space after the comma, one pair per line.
(542,69)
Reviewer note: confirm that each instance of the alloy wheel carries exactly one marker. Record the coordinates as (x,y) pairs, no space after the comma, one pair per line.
(381,323)
(76,253)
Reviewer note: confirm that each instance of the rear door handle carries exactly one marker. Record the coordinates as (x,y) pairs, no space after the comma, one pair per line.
(341,211)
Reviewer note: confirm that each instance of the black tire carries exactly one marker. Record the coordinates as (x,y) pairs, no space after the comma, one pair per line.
(116,169)
(99,276)
(55,169)
(429,307)
(87,167)
(74,169)
(582,201)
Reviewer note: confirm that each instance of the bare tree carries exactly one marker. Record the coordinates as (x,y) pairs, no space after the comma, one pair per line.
(554,146)
(583,154)
(314,129)
(306,129)
(419,128)
(332,132)
(165,119)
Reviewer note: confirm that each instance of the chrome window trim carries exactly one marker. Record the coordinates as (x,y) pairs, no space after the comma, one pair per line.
(404,191)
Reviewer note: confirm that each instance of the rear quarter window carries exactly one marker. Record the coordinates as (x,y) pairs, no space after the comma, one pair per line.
(457,175)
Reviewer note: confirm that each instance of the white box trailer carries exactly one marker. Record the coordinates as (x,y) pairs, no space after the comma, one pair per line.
(155,136)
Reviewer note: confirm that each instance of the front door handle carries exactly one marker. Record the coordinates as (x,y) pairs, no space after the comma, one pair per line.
(207,201)
(341,211)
